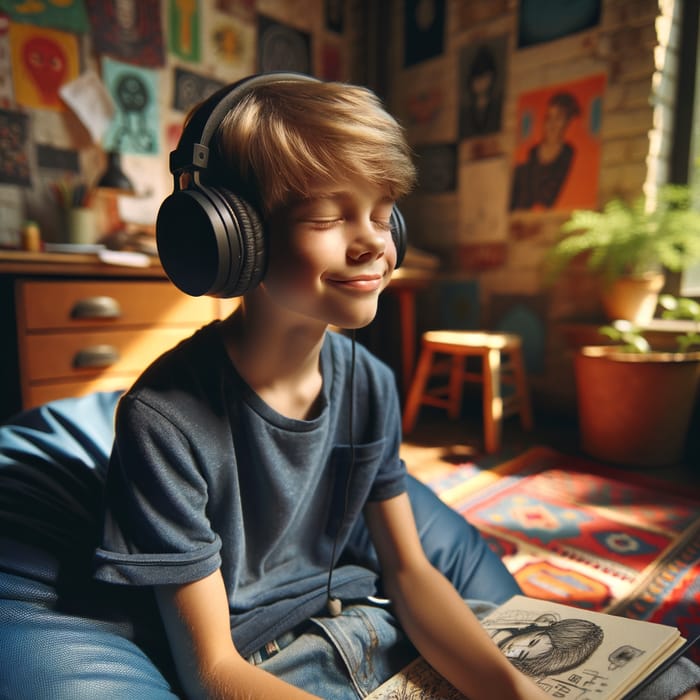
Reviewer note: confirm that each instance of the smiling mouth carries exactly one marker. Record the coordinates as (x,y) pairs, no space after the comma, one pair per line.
(365,283)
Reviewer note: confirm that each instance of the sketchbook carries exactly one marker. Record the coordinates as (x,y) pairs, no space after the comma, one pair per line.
(569,653)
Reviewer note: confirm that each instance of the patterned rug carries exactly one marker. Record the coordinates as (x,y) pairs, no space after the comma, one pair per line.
(582,533)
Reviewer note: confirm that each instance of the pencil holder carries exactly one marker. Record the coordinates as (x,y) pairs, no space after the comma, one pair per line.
(81,225)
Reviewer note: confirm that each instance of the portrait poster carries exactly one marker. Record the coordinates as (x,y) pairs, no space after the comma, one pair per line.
(482,79)
(557,153)
(129,30)
(184,27)
(14,148)
(42,61)
(483,200)
(230,43)
(282,48)
(545,20)
(191,88)
(424,30)
(134,91)
(69,15)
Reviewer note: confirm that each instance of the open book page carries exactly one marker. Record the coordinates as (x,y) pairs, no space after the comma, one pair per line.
(569,652)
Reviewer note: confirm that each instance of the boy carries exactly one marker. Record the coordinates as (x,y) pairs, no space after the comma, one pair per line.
(246,457)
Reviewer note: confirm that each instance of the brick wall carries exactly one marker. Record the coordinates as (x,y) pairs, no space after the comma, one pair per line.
(634,46)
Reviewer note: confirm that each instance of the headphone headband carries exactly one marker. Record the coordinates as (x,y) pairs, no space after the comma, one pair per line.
(192,151)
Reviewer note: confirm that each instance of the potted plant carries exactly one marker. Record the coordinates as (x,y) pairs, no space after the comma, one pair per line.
(635,402)
(630,245)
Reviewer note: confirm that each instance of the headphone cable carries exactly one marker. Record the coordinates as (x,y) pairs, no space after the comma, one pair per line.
(334,605)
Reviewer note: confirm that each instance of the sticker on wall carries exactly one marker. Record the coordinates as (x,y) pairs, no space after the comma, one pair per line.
(7,95)
(437,167)
(331,61)
(424,30)
(545,20)
(184,18)
(91,102)
(191,88)
(69,15)
(483,200)
(14,148)
(42,61)
(480,257)
(557,155)
(134,91)
(334,15)
(128,30)
(231,42)
(282,48)
(482,78)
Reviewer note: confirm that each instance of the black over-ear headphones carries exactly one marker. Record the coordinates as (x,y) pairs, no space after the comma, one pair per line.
(210,239)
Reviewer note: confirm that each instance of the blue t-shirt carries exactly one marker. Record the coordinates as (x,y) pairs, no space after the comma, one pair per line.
(204,474)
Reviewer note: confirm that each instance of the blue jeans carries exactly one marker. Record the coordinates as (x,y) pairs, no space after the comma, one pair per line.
(345,657)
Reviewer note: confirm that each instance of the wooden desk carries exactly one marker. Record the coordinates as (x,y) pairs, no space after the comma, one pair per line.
(22,382)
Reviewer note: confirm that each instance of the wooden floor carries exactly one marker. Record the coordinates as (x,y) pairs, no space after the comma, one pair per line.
(435,437)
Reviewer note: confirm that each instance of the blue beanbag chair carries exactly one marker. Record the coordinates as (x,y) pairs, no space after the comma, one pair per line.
(65,636)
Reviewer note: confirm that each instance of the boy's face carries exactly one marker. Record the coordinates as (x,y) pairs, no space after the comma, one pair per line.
(330,256)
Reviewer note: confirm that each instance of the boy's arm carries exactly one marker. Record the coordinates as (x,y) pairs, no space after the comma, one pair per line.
(439,623)
(196,618)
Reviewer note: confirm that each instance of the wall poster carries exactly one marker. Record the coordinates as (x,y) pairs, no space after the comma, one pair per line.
(557,154)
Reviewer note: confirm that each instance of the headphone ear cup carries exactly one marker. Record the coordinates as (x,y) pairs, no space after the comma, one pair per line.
(210,242)
(252,248)
(398,234)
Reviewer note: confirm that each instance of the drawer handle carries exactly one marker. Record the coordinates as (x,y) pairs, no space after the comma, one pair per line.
(96,307)
(96,356)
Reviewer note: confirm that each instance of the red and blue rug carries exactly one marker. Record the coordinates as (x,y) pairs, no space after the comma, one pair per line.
(582,533)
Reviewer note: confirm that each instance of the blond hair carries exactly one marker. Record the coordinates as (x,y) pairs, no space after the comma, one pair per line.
(282,138)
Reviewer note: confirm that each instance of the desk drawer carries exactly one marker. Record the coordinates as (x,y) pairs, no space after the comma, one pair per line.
(46,305)
(76,355)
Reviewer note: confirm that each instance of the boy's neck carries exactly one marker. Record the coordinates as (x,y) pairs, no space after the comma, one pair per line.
(279,361)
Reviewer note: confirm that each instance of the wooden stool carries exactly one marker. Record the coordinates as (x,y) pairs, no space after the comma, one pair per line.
(501,363)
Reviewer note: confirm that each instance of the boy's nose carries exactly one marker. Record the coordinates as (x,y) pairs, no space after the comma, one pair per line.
(367,243)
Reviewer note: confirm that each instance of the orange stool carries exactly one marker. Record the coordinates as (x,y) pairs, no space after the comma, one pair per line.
(501,363)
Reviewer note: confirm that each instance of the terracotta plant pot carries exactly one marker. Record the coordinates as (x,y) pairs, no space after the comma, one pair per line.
(635,409)
(633,298)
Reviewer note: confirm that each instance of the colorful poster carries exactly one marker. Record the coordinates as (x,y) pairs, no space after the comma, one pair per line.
(424,30)
(42,61)
(482,80)
(282,48)
(557,154)
(69,15)
(14,148)
(129,30)
(231,43)
(134,92)
(184,28)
